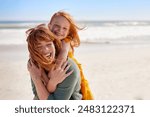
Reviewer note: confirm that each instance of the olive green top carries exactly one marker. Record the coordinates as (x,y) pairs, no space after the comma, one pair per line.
(69,89)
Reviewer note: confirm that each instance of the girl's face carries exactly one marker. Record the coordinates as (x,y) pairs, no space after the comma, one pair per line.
(47,49)
(60,26)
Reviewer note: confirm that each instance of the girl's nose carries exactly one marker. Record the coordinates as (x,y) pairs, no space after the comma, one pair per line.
(60,30)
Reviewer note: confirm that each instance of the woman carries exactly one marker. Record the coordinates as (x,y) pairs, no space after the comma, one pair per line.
(65,29)
(61,82)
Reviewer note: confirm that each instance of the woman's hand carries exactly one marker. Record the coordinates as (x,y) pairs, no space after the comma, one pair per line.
(57,75)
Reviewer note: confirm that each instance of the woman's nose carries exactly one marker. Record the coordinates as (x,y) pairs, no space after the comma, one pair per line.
(45,50)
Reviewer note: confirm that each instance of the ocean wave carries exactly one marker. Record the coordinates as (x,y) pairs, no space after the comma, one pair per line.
(126,32)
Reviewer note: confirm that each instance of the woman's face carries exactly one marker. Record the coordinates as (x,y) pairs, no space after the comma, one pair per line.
(47,49)
(60,26)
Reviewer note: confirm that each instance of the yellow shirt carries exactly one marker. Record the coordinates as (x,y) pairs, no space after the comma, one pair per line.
(85,89)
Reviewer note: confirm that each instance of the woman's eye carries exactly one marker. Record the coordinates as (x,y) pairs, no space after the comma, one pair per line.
(39,48)
(49,45)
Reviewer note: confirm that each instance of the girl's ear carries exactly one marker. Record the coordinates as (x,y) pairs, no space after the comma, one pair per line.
(49,25)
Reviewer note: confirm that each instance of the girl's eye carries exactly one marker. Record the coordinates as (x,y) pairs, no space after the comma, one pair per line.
(65,28)
(56,26)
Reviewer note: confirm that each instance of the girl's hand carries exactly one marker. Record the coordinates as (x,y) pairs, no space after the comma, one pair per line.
(57,75)
(59,62)
(34,71)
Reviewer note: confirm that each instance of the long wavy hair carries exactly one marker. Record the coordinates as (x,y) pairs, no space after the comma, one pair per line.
(34,36)
(73,32)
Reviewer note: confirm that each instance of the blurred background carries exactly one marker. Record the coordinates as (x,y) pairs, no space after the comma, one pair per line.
(114,47)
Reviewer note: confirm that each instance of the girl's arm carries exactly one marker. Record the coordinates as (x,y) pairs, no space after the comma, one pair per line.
(68,87)
(57,75)
(62,57)
(40,89)
(35,74)
(64,90)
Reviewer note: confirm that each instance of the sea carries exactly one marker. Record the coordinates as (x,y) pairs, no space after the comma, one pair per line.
(104,32)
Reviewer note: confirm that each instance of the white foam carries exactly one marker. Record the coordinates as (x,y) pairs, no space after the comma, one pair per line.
(116,32)
(94,34)
(12,36)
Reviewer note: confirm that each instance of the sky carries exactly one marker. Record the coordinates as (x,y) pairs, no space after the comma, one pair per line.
(79,9)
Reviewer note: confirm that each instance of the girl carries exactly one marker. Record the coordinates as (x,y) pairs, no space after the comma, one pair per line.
(64,28)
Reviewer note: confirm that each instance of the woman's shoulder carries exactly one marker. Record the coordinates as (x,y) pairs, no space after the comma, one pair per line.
(73,66)
(72,62)
(74,77)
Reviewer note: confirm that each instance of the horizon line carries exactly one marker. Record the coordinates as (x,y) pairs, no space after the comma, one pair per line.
(76,20)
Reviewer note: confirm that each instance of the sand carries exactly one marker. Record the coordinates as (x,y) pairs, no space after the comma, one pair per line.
(114,71)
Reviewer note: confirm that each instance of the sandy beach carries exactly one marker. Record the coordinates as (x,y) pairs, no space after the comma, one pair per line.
(114,71)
